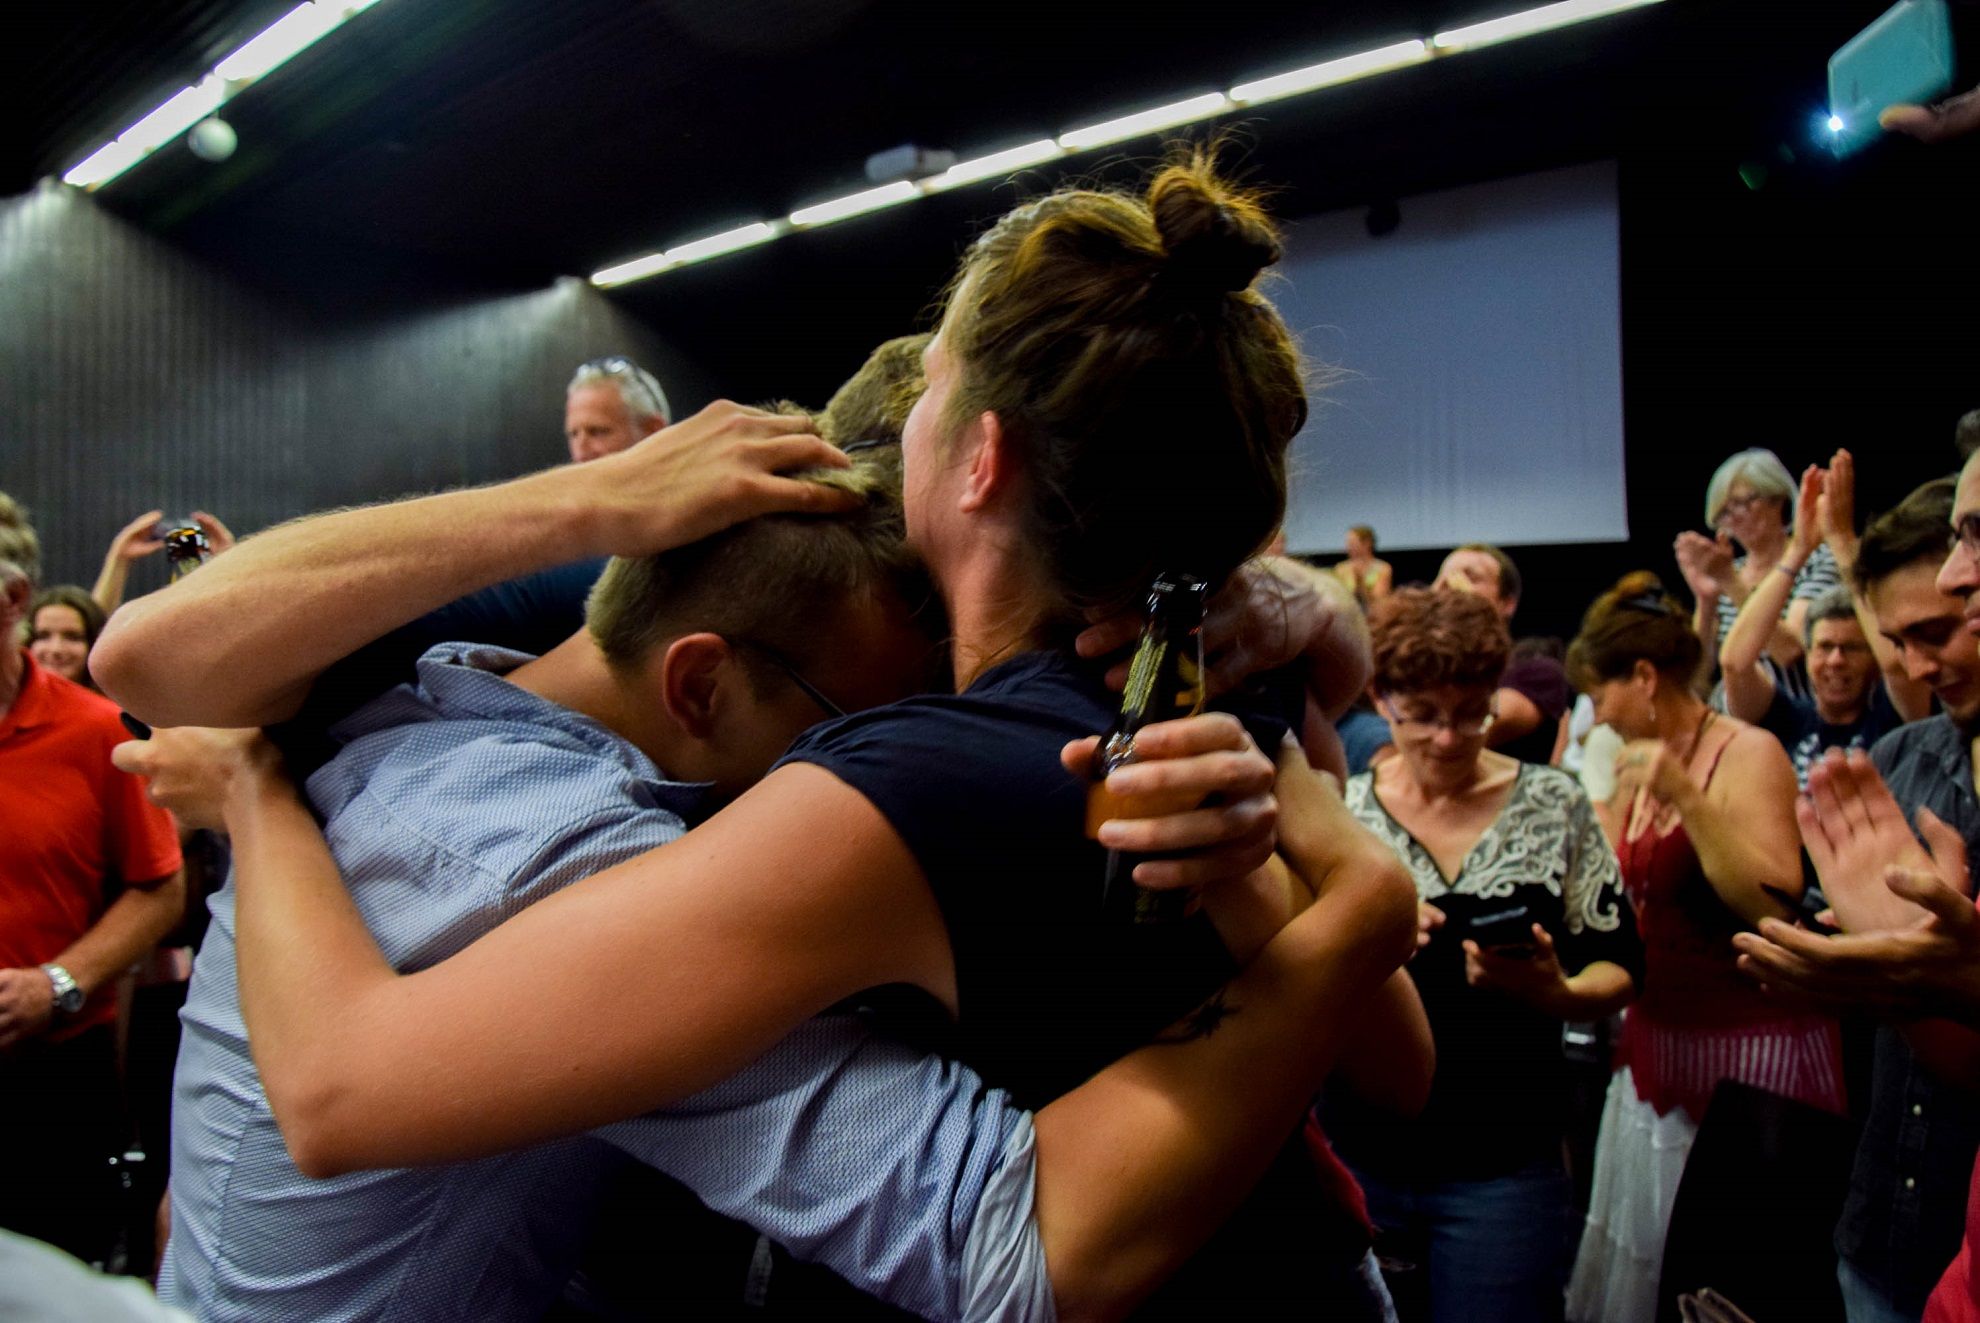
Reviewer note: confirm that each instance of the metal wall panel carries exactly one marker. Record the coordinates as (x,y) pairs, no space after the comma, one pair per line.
(138,375)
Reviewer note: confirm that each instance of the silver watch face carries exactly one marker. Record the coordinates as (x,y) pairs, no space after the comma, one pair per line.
(68,996)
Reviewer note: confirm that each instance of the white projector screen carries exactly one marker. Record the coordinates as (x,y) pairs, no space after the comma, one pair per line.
(1481,397)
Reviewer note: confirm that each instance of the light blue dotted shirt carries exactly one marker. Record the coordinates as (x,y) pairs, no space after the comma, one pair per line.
(455,803)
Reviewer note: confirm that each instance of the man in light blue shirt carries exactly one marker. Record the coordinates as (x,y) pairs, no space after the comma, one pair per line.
(495,781)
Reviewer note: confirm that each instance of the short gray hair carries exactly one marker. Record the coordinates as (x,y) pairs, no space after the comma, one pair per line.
(1763,472)
(1833,603)
(637,387)
(20,549)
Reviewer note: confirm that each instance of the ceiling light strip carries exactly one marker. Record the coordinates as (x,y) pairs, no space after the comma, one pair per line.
(1209,105)
(296,31)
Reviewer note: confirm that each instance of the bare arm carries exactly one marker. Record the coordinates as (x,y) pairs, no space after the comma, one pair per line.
(132,925)
(1391,1057)
(1912,699)
(1749,684)
(282,606)
(1743,826)
(1514,715)
(1190,1126)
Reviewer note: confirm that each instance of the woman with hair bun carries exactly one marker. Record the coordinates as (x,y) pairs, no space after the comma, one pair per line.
(1108,398)
(1706,835)
(1524,927)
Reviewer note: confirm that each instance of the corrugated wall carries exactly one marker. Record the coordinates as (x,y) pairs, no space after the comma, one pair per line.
(138,376)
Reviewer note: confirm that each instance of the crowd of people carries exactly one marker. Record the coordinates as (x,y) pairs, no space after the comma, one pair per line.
(702,916)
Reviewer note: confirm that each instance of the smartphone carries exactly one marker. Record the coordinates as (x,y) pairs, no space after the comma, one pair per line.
(1504,929)
(1904,58)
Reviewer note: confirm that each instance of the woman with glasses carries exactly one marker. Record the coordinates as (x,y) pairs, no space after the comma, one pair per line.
(1750,504)
(1523,927)
(1706,835)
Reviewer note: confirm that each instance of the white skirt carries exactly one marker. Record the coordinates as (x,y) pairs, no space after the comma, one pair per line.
(1639,1159)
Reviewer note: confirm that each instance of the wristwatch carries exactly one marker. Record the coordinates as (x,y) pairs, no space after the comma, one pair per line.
(69,996)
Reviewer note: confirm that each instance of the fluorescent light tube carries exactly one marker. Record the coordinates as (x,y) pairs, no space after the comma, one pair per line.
(291,34)
(106,162)
(856,204)
(728,241)
(184,110)
(637,269)
(996,163)
(1529,21)
(1147,121)
(1331,72)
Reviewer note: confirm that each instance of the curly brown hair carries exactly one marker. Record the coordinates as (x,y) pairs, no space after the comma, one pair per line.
(1426,637)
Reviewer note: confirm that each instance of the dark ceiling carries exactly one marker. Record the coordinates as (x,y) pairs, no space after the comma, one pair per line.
(502,143)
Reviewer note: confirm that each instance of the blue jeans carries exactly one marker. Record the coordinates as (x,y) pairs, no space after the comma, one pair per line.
(1863,1302)
(1491,1251)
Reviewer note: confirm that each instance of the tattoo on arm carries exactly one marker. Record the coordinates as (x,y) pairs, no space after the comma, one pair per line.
(1203,1021)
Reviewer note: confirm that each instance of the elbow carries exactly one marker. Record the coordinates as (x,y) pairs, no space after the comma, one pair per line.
(116,663)
(1389,913)
(309,1114)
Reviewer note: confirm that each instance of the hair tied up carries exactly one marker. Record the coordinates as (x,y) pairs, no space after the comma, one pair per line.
(1215,240)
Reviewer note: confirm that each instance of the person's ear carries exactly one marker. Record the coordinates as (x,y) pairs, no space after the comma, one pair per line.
(993,463)
(15,594)
(1645,676)
(693,677)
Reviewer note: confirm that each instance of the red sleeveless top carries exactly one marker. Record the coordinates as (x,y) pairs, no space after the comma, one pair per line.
(1697,1019)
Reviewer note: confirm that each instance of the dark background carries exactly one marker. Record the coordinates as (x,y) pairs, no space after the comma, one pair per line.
(374,295)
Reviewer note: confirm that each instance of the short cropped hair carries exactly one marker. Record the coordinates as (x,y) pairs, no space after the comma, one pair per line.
(781,581)
(1763,472)
(1835,603)
(1917,528)
(1424,638)
(1365,533)
(20,548)
(873,405)
(637,387)
(1966,434)
(1634,621)
(1510,585)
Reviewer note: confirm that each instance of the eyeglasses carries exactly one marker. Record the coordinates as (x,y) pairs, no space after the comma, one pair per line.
(1966,531)
(791,673)
(1469,728)
(618,365)
(1739,505)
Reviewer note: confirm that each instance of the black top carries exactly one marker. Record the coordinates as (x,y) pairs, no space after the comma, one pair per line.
(1499,1099)
(972,783)
(1906,1210)
(1544,683)
(1050,994)
(1798,725)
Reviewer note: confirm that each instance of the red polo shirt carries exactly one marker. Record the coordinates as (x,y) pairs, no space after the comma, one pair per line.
(71,826)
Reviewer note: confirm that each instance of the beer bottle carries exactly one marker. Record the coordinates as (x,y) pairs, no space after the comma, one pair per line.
(187,549)
(1165,681)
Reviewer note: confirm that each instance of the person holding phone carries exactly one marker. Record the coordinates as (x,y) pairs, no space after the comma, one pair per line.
(1524,926)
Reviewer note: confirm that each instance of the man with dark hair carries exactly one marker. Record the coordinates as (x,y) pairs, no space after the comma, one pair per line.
(1534,695)
(89,881)
(1901,1224)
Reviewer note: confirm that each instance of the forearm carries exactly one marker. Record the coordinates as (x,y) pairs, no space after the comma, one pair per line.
(282,606)
(1705,623)
(1391,1057)
(1754,630)
(132,925)
(301,946)
(1738,861)
(1601,989)
(111,582)
(1139,1165)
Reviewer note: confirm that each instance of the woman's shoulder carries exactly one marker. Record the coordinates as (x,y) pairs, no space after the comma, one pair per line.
(1744,750)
